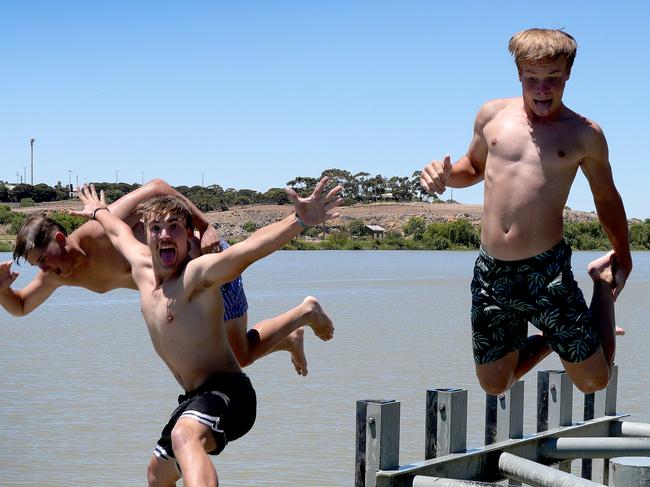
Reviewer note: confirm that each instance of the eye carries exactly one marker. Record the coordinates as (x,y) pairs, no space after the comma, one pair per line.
(155,228)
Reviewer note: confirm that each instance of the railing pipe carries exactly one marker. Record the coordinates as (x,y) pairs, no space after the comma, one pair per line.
(630,428)
(564,448)
(423,481)
(537,475)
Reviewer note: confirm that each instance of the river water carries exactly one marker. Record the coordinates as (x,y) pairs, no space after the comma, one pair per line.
(83,395)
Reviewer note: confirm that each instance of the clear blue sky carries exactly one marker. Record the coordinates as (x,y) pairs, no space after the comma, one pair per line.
(252,94)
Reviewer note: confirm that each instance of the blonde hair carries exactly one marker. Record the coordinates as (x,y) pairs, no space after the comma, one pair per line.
(166,205)
(535,45)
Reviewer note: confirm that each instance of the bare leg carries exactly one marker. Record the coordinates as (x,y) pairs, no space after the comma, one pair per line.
(535,350)
(593,373)
(602,303)
(282,332)
(162,473)
(294,344)
(499,376)
(190,441)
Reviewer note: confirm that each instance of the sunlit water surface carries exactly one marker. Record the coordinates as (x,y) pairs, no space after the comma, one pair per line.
(84,397)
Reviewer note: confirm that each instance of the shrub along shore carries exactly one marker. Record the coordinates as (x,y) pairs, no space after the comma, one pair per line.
(415,234)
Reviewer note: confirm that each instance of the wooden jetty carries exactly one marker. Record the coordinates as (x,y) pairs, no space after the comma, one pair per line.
(613,451)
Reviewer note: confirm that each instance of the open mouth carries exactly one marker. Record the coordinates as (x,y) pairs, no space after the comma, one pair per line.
(167,256)
(543,104)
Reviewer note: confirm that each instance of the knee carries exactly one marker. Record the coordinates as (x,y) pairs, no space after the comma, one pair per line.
(181,436)
(592,383)
(496,385)
(189,434)
(495,378)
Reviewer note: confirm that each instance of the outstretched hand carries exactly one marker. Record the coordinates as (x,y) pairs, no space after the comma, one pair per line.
(315,209)
(92,202)
(7,276)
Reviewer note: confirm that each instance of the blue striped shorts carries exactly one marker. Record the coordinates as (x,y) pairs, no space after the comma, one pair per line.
(235,304)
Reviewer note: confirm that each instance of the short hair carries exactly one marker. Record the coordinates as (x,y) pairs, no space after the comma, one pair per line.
(37,231)
(166,205)
(534,45)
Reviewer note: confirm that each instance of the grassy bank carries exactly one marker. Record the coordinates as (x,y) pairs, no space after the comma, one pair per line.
(415,234)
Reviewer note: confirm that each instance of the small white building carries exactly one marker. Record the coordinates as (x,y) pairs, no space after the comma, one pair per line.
(375,230)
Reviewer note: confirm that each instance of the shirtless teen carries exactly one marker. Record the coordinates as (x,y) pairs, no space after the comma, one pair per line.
(527,151)
(86,259)
(184,316)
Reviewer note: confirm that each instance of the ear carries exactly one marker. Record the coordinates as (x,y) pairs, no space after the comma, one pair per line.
(60,238)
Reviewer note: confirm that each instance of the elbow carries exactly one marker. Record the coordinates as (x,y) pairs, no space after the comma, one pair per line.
(157,187)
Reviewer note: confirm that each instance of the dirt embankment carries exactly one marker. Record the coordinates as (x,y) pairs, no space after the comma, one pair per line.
(390,216)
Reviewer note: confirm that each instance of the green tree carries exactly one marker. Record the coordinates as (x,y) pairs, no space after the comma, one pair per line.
(303,185)
(356,228)
(4,192)
(415,227)
(276,196)
(69,222)
(640,236)
(21,191)
(400,188)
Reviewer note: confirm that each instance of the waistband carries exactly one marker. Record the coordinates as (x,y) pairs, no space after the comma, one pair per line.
(558,250)
(222,380)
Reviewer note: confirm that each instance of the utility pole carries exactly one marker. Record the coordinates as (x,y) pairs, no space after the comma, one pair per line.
(69,180)
(202,179)
(31,145)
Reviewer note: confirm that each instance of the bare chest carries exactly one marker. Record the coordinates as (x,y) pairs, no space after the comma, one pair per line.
(535,156)
(173,304)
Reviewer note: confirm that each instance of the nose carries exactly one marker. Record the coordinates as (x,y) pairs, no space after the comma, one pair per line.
(543,87)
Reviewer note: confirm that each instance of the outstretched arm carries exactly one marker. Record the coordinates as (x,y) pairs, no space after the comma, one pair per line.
(118,232)
(124,207)
(227,265)
(23,301)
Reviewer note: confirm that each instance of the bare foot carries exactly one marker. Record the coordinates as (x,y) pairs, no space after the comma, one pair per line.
(318,319)
(294,344)
(602,269)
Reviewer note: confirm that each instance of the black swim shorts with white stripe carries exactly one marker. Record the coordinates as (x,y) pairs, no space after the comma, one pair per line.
(226,403)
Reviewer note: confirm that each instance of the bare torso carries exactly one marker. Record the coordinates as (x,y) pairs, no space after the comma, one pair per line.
(99,267)
(528,173)
(187,329)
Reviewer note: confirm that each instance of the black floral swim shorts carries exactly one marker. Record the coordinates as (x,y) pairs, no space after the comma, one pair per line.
(506,295)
